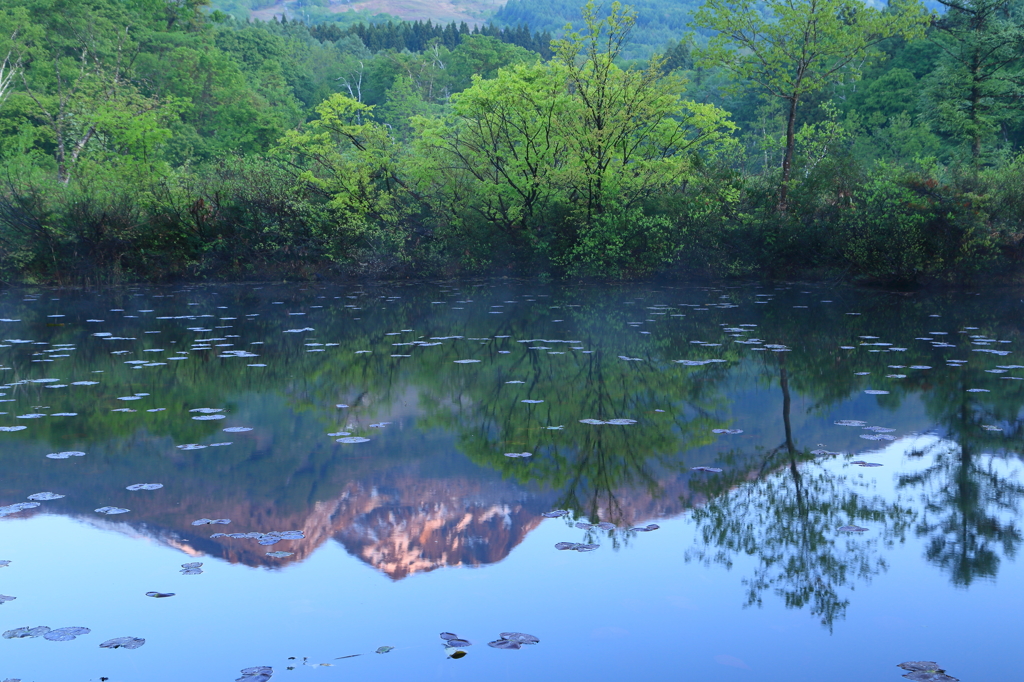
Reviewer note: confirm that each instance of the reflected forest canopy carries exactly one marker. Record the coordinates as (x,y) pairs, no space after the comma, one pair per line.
(430,426)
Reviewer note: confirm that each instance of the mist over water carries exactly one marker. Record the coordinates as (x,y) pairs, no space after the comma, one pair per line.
(319,480)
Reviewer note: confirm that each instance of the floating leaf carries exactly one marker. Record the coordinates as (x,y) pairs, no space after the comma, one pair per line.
(208,417)
(728,431)
(353,439)
(111,510)
(123,643)
(520,637)
(204,522)
(519,454)
(621,422)
(604,525)
(592,421)
(65,634)
(505,644)
(975,390)
(464,362)
(850,422)
(646,529)
(145,486)
(710,470)
(279,554)
(873,391)
(384,649)
(925,671)
(851,529)
(160,595)
(13,428)
(446,636)
(237,429)
(454,653)
(531,402)
(555,514)
(5,598)
(586,548)
(584,526)
(459,643)
(45,496)
(65,455)
(25,632)
(259,673)
(193,564)
(567,545)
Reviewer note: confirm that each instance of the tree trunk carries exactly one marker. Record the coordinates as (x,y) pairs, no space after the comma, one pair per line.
(787,159)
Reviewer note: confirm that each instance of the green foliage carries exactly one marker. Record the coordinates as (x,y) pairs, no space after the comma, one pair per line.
(156,139)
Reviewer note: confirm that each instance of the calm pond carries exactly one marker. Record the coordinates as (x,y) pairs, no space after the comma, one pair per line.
(657,483)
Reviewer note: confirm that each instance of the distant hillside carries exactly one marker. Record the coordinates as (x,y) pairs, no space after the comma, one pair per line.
(659,22)
(473,12)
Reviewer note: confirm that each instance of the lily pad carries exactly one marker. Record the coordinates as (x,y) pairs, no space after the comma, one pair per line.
(160,595)
(520,637)
(237,429)
(111,510)
(531,402)
(65,634)
(874,391)
(464,362)
(592,421)
(353,439)
(555,514)
(5,598)
(505,644)
(123,643)
(26,632)
(604,525)
(145,486)
(65,455)
(519,454)
(205,522)
(459,643)
(384,649)
(646,529)
(621,422)
(710,470)
(209,417)
(447,636)
(258,673)
(45,496)
(850,422)
(13,428)
(727,431)
(17,507)
(925,671)
(279,554)
(851,529)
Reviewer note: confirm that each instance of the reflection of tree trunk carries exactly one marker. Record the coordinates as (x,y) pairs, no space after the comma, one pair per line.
(786,403)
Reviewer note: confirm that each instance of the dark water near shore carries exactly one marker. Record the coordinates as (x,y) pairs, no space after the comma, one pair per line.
(234,399)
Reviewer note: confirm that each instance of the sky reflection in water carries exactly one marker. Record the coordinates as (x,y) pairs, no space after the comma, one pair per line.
(367,468)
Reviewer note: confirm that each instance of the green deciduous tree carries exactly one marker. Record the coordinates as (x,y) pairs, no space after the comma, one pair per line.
(979,86)
(579,133)
(798,47)
(353,161)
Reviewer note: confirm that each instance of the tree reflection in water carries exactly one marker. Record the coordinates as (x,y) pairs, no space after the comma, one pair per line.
(787,517)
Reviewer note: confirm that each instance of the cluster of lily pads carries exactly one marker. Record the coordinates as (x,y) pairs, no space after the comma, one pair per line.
(267,539)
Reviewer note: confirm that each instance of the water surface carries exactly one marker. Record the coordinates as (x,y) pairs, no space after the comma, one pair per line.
(855,503)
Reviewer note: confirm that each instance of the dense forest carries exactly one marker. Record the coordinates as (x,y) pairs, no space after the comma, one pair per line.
(162,139)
